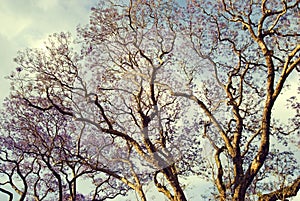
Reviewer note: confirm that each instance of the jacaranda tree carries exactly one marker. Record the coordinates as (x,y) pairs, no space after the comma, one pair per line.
(159,91)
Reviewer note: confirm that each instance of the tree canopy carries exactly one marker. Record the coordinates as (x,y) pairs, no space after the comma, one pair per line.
(158,91)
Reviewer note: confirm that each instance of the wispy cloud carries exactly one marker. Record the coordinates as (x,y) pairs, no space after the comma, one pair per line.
(28,23)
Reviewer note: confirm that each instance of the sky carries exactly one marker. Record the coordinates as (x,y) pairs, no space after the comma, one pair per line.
(27,23)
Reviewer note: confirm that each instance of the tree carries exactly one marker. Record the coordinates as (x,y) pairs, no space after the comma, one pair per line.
(155,84)
(261,52)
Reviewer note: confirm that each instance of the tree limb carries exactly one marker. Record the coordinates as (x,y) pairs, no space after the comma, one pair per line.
(282,193)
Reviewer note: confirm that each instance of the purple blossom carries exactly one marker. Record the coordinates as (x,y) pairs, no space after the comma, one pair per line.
(90,49)
(18,69)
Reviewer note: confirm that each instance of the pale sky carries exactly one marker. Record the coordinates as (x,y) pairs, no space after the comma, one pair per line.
(27,23)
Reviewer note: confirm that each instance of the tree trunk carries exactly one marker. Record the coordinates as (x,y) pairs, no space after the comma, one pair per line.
(173,180)
(239,192)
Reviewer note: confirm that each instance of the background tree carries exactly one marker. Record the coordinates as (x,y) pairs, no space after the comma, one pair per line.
(158,88)
(253,48)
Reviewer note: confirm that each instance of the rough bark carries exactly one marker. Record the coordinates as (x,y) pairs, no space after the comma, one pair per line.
(282,193)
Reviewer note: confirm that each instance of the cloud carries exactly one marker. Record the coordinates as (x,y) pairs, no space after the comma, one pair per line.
(37,19)
(12,25)
(6,50)
(28,23)
(46,4)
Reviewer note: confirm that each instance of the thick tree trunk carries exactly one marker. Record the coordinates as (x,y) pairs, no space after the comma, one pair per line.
(173,180)
(239,193)
(169,173)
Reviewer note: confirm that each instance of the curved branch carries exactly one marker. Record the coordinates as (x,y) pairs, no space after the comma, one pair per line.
(282,193)
(8,193)
(212,117)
